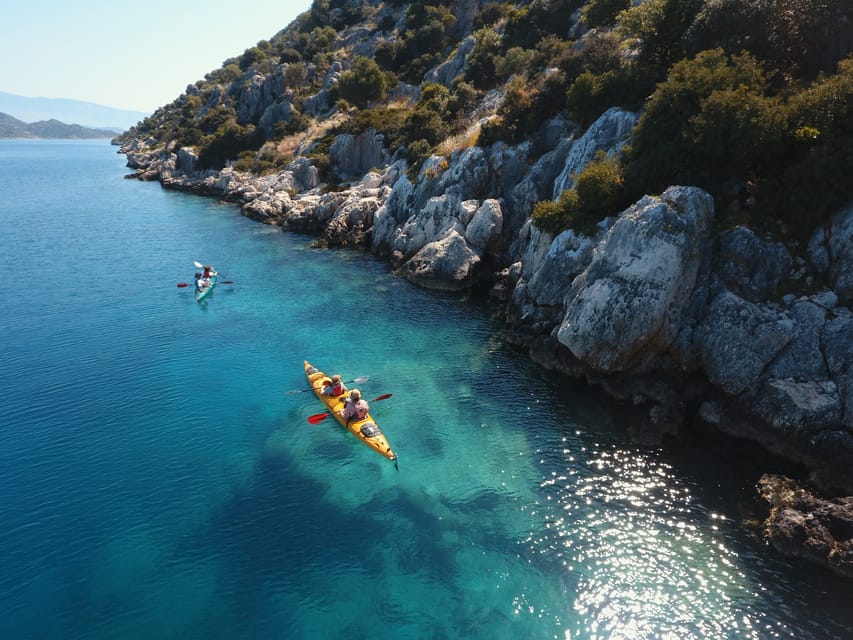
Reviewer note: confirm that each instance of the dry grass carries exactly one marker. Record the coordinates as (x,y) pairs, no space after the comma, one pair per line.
(288,147)
(460,141)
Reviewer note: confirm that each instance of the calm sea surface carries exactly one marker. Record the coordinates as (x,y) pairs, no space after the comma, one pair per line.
(159,481)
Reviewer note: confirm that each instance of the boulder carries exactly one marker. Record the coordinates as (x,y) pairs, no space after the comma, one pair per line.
(354,156)
(831,250)
(738,339)
(604,134)
(447,264)
(837,344)
(751,267)
(626,308)
(485,225)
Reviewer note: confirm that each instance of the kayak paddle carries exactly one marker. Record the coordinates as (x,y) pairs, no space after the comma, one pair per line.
(358,380)
(186,284)
(317,418)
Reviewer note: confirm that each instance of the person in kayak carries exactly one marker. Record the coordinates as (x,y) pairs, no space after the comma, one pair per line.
(200,283)
(334,388)
(356,408)
(208,272)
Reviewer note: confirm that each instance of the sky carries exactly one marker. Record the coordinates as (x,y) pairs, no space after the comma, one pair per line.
(128,55)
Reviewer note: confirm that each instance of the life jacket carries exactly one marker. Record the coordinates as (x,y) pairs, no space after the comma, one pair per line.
(359,411)
(337,388)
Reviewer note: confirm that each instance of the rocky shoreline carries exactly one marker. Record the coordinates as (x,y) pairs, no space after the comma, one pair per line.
(663,306)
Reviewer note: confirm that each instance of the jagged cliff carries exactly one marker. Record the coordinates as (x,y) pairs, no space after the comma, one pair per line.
(658,295)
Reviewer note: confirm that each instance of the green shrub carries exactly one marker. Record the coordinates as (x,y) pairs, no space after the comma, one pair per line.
(216,118)
(295,73)
(795,37)
(529,24)
(600,186)
(226,75)
(584,99)
(245,161)
(386,23)
(462,99)
(426,124)
(490,14)
(251,57)
(598,192)
(555,217)
(673,142)
(289,55)
(226,144)
(659,25)
(416,152)
(516,61)
(363,83)
(388,122)
(811,176)
(601,13)
(480,64)
(386,54)
(296,123)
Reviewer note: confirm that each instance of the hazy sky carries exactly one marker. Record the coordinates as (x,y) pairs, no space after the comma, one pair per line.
(128,55)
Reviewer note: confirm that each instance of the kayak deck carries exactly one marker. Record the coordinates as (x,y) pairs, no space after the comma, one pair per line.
(364,429)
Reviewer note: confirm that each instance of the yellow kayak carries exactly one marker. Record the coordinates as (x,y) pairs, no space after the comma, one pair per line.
(364,429)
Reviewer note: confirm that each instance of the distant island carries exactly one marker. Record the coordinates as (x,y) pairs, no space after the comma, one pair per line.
(86,114)
(13,128)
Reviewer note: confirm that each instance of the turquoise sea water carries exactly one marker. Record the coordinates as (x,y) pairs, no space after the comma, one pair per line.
(159,481)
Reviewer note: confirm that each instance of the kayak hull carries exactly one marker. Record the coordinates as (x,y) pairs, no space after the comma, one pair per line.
(202,293)
(366,429)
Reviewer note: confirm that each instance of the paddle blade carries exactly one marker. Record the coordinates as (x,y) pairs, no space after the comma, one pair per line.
(292,391)
(359,380)
(384,396)
(183,284)
(227,282)
(198,264)
(317,418)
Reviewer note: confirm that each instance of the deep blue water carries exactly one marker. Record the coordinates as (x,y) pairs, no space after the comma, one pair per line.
(159,481)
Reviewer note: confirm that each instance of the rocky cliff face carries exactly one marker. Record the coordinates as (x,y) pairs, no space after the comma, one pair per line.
(658,306)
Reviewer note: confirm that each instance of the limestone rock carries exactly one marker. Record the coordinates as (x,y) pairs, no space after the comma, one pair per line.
(738,340)
(831,248)
(751,267)
(626,307)
(604,134)
(446,264)
(354,156)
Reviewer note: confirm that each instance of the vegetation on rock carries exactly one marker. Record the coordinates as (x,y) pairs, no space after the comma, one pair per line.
(750,100)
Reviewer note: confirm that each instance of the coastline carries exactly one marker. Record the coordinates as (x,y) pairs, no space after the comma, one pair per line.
(697,341)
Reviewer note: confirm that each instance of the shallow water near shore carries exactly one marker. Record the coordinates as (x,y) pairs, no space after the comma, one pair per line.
(160,481)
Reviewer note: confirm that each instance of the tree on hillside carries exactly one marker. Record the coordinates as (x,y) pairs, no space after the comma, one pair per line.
(364,83)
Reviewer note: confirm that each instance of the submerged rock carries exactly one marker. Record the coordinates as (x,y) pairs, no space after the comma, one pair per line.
(805,525)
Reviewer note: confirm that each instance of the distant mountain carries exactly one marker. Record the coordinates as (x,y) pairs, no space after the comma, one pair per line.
(85,114)
(13,128)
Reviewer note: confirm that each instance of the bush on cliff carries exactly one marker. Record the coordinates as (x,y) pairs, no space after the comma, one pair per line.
(717,123)
(598,192)
(230,140)
(364,83)
(763,131)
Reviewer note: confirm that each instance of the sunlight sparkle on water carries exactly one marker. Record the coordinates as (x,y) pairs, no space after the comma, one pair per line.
(642,561)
